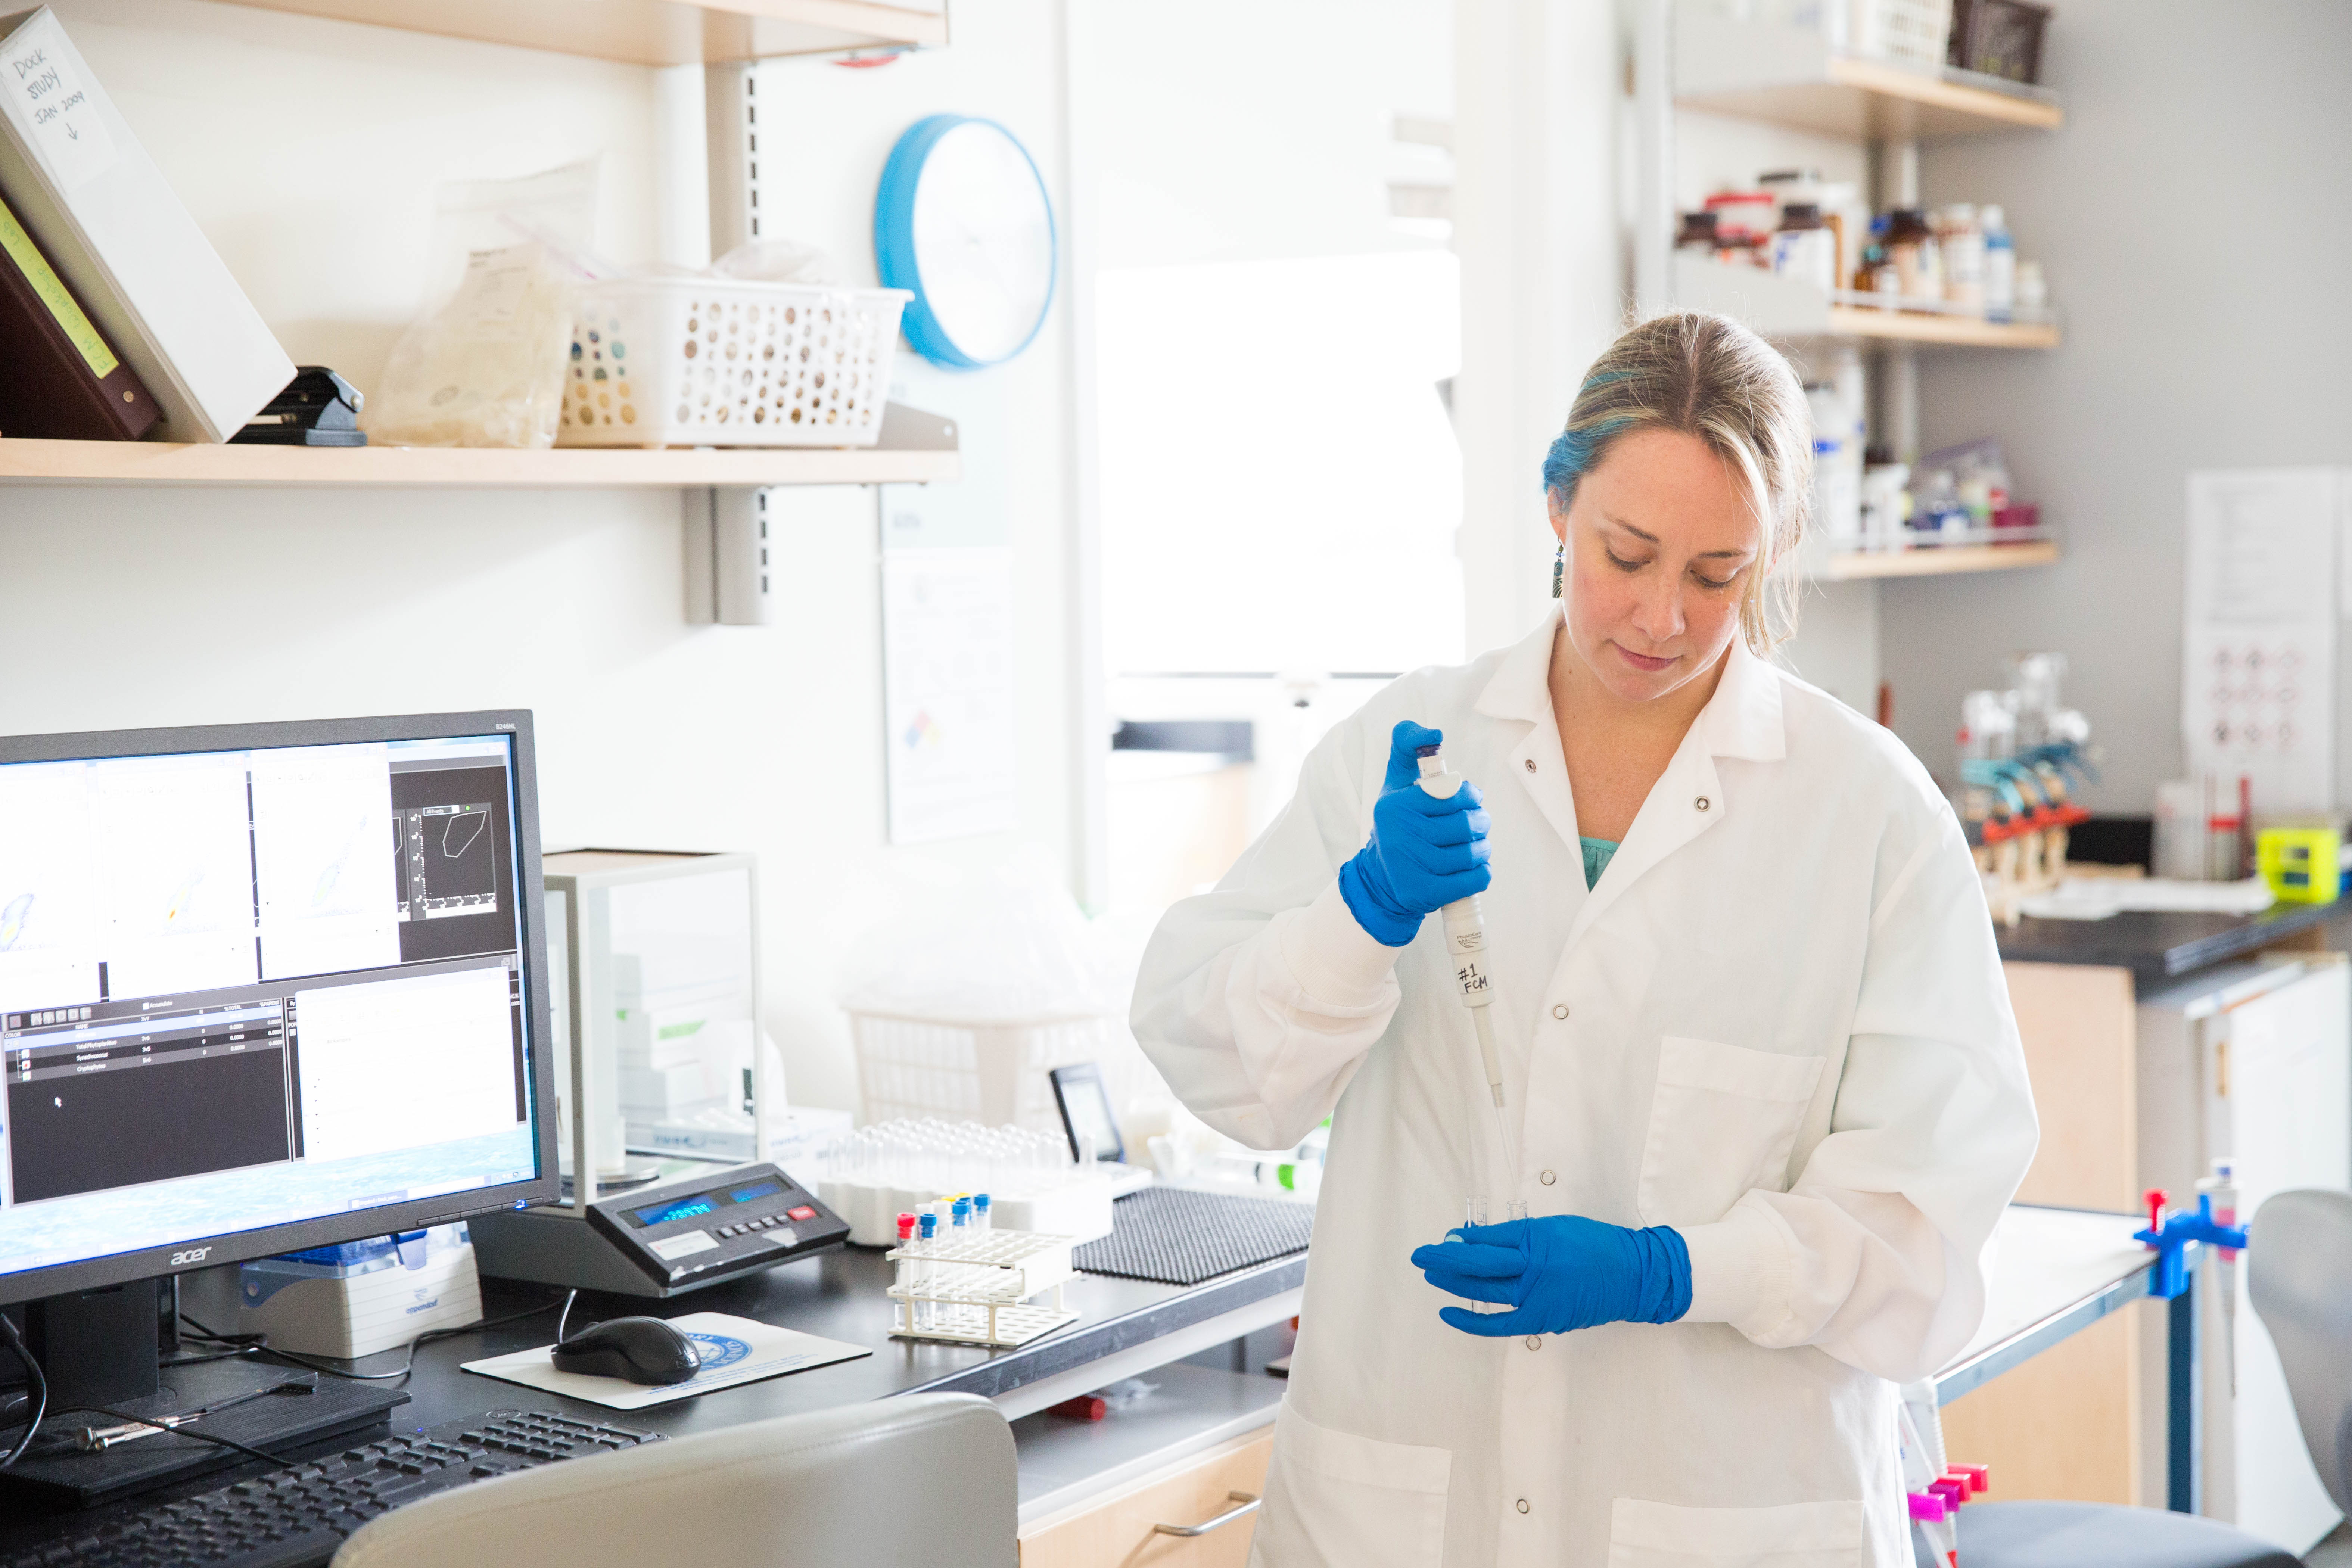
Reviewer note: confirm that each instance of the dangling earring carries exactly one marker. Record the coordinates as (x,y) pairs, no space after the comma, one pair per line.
(1558,567)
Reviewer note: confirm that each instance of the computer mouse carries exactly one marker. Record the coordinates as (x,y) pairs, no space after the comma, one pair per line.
(642,1350)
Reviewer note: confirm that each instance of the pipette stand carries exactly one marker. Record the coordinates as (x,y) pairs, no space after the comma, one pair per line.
(2171,1236)
(979,1290)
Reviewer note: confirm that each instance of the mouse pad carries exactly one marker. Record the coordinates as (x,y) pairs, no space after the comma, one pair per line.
(734,1350)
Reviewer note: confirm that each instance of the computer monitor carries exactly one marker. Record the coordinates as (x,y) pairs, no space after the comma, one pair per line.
(265,987)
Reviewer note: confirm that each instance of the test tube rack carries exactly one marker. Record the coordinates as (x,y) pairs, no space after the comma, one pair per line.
(979,1290)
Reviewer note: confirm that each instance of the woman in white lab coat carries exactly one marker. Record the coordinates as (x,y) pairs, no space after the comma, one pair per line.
(1760,1072)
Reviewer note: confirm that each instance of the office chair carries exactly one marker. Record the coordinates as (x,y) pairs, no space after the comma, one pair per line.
(927,1477)
(2299,1278)
(2301,1284)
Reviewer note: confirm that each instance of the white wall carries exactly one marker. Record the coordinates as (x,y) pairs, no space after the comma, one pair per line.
(1540,227)
(2190,220)
(309,151)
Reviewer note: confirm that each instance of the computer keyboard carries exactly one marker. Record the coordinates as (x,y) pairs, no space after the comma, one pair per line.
(297,1516)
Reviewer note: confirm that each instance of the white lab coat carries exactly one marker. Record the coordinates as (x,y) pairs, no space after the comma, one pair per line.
(1777,1024)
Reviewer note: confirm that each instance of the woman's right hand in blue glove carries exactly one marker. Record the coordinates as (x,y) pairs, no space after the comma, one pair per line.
(1425,853)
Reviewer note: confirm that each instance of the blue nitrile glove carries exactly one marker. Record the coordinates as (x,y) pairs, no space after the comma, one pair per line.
(1558,1273)
(1424,853)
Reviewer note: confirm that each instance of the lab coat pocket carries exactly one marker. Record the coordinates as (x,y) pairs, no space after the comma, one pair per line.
(1793,1535)
(1722,1122)
(1336,1498)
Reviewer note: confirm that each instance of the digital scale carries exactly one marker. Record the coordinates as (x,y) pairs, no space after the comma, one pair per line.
(663,1240)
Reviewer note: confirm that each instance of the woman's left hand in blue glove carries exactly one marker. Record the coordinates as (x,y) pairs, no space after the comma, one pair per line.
(1558,1273)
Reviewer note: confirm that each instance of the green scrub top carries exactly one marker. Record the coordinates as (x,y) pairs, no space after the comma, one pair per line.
(1597,854)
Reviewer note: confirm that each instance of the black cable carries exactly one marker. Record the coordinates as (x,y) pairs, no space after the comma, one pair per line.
(260,1344)
(40,1390)
(565,1316)
(234,1354)
(187,1431)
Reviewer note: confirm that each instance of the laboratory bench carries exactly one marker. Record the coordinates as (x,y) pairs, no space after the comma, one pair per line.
(1191,1426)
(2159,945)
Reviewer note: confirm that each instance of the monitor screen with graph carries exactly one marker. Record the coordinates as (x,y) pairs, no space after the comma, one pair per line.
(262,988)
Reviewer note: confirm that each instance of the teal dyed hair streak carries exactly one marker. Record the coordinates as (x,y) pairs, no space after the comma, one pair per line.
(1707,376)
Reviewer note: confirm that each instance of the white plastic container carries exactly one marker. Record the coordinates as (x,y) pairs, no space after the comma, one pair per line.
(710,361)
(1911,33)
(1961,239)
(313,1312)
(2000,265)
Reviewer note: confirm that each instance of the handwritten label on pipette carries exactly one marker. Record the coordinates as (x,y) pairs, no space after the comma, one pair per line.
(47,99)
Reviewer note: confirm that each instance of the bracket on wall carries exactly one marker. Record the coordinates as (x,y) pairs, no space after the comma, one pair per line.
(727,530)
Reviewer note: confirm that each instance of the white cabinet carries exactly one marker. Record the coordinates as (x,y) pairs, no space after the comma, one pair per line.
(2253,1062)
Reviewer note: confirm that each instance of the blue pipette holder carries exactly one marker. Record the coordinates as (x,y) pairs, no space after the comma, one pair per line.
(2170,1275)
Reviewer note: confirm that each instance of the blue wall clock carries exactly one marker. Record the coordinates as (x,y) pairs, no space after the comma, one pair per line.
(963,222)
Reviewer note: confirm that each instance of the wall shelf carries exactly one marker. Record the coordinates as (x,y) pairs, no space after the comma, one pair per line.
(1786,76)
(1781,307)
(1937,561)
(1953,331)
(454,467)
(649,32)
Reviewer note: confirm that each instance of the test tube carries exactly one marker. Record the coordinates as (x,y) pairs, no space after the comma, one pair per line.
(982,1221)
(959,1223)
(904,1319)
(1478,1211)
(925,1272)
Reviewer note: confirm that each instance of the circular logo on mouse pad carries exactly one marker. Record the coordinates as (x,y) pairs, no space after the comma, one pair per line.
(718,1349)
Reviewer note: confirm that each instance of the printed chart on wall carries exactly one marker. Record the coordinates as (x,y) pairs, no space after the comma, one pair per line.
(2258,677)
(946,630)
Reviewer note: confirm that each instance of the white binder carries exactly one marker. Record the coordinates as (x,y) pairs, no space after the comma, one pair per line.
(80,182)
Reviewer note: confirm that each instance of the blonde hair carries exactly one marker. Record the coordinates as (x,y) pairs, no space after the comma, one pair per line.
(1706,375)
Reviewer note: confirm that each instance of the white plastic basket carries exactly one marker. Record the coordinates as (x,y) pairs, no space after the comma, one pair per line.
(1913,33)
(706,361)
(991,1073)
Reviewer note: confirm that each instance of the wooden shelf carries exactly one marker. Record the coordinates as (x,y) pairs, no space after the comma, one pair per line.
(1786,75)
(1935,562)
(1781,307)
(1956,331)
(648,32)
(454,467)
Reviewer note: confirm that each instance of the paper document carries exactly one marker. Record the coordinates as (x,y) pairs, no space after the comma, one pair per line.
(2096,898)
(2258,670)
(948,651)
(734,1350)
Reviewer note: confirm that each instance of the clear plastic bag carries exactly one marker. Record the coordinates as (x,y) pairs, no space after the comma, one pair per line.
(484,365)
(1001,946)
(486,368)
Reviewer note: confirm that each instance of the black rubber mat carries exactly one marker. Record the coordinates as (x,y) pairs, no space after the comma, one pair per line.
(1180,1237)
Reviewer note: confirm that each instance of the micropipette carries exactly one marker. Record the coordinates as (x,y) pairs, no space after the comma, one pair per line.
(1465,939)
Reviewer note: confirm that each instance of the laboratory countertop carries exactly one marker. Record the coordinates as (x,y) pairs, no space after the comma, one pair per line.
(2156,946)
(838,1295)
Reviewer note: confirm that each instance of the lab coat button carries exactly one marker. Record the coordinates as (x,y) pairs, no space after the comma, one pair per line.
(1560,1009)
(1523,1505)
(1535,1341)
(1531,764)
(1548,1178)
(1702,803)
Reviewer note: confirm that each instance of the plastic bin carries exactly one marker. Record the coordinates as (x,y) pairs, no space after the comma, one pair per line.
(1999,37)
(707,362)
(1912,33)
(992,1073)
